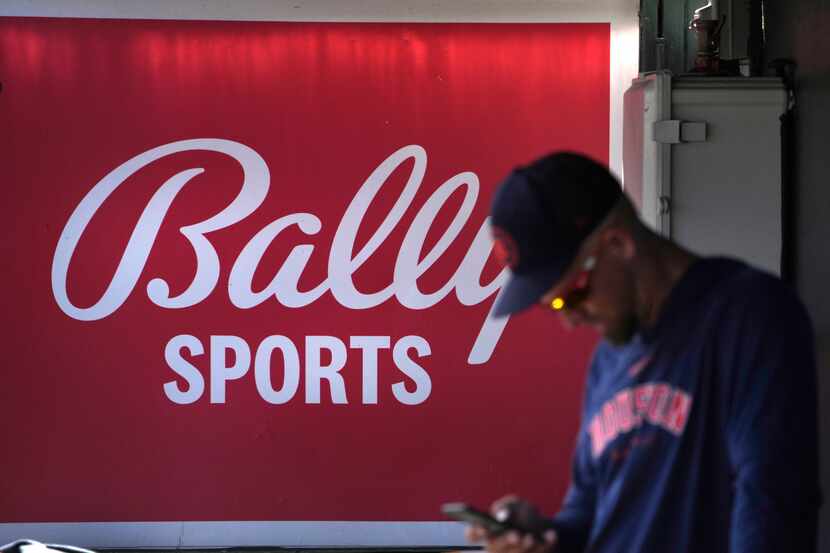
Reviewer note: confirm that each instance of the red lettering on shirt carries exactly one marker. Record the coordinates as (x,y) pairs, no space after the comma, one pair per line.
(657,403)
(678,412)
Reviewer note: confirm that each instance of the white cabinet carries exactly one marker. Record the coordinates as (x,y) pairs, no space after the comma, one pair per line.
(702,161)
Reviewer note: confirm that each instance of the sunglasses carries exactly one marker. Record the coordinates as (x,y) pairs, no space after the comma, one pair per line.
(580,289)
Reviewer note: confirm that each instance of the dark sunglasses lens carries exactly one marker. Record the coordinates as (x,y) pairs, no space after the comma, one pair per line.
(574,298)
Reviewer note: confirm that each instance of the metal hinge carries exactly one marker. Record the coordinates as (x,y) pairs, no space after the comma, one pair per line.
(674,131)
(665,205)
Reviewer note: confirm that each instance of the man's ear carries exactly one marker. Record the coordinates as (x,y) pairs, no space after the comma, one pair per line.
(619,242)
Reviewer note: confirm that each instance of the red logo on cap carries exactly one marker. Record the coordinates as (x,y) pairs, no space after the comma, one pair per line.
(505,248)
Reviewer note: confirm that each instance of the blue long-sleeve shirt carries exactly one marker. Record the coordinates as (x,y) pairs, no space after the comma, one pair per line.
(700,435)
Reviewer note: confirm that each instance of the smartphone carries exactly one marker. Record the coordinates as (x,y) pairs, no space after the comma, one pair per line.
(471,515)
(498,524)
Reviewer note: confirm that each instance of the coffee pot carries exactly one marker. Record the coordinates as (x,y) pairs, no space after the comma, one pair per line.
(707,33)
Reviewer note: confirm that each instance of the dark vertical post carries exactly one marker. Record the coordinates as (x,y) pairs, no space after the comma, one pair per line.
(785,69)
(660,42)
(756,38)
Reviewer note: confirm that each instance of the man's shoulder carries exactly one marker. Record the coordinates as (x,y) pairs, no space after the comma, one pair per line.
(743,290)
(735,279)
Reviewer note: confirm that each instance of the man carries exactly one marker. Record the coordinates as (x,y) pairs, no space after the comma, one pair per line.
(698,429)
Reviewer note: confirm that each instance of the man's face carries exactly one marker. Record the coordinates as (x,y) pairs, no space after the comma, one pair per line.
(602,290)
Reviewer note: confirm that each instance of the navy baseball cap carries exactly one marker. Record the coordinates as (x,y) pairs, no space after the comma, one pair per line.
(540,215)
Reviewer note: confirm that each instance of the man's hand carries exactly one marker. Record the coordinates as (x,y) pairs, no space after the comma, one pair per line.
(522,514)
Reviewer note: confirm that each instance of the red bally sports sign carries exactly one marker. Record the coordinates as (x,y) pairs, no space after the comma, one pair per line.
(250,270)
(344,260)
